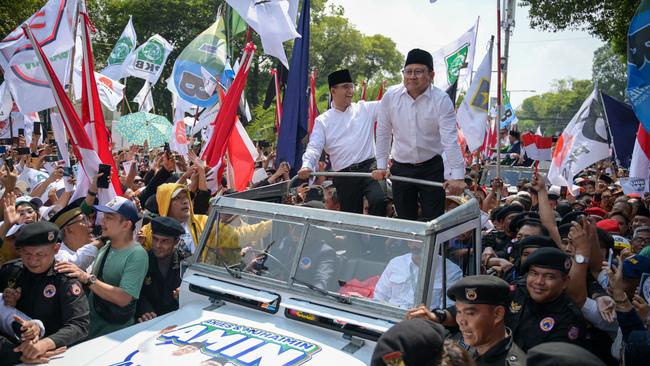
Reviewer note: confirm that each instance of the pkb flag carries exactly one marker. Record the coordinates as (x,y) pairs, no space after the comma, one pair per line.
(122,49)
(148,60)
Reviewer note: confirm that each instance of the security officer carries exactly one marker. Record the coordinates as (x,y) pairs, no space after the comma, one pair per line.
(412,342)
(159,293)
(41,293)
(481,303)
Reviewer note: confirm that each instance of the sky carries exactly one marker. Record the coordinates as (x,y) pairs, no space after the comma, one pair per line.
(536,57)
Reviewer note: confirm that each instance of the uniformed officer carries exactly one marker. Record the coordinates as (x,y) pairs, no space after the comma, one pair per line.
(413,342)
(40,292)
(481,303)
(560,353)
(159,293)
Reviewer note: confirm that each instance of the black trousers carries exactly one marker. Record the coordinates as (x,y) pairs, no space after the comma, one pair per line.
(350,191)
(407,195)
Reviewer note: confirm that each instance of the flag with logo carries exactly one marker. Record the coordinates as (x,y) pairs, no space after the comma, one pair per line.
(178,138)
(454,61)
(623,125)
(638,65)
(509,117)
(640,163)
(123,47)
(53,27)
(584,141)
(200,65)
(472,114)
(148,60)
(111,92)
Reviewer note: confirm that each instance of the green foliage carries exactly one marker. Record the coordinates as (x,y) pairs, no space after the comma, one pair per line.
(608,20)
(14,12)
(263,125)
(610,71)
(553,110)
(526,125)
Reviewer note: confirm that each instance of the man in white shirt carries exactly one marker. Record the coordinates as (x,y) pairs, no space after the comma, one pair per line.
(399,280)
(77,243)
(421,121)
(345,132)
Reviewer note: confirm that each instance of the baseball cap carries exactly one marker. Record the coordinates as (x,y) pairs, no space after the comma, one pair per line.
(122,206)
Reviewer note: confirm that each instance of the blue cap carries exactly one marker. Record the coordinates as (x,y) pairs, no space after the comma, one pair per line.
(635,266)
(122,206)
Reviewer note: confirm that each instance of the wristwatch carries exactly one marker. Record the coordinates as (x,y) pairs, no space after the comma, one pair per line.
(91,280)
(581,259)
(441,314)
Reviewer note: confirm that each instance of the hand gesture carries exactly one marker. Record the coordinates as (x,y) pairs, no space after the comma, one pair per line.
(9,201)
(615,275)
(72,270)
(421,312)
(93,182)
(641,306)
(607,308)
(539,183)
(168,163)
(196,160)
(29,330)
(11,296)
(579,235)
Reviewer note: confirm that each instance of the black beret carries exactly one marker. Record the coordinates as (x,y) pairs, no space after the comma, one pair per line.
(418,56)
(563,209)
(564,230)
(560,353)
(518,221)
(315,193)
(480,289)
(536,241)
(166,226)
(66,215)
(551,258)
(572,216)
(495,213)
(507,210)
(36,234)
(606,178)
(416,342)
(339,77)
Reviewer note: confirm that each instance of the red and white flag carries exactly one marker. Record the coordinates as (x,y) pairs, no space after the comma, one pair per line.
(537,147)
(241,158)
(640,164)
(313,108)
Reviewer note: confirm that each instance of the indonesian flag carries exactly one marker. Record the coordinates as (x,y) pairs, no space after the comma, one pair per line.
(178,138)
(313,108)
(537,147)
(241,158)
(92,115)
(640,164)
(111,92)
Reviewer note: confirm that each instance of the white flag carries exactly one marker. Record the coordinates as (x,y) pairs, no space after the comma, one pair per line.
(178,138)
(272,21)
(6,103)
(148,60)
(52,27)
(144,98)
(123,48)
(472,114)
(584,141)
(111,92)
(448,61)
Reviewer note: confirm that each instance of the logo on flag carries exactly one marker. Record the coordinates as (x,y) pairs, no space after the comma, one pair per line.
(121,50)
(481,97)
(148,60)
(455,62)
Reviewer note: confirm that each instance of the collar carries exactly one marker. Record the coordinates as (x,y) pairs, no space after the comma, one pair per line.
(497,351)
(427,92)
(340,111)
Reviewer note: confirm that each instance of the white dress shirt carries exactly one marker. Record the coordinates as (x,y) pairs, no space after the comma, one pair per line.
(83,257)
(346,136)
(398,282)
(421,128)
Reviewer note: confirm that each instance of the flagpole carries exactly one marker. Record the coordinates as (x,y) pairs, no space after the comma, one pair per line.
(73,51)
(498,119)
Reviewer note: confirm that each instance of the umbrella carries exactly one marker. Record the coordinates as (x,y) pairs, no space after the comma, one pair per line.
(141,126)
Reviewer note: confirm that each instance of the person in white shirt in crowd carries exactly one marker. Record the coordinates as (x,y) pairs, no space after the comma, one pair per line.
(345,132)
(420,120)
(77,243)
(399,280)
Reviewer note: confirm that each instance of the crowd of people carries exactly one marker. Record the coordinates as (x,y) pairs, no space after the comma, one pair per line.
(562,272)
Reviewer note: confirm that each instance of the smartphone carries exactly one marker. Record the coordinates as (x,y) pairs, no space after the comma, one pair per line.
(610,257)
(23,151)
(67,171)
(10,164)
(50,158)
(37,128)
(167,149)
(102,182)
(21,132)
(563,192)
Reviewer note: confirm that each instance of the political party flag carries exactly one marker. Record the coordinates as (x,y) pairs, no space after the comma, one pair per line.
(537,147)
(638,67)
(271,20)
(623,125)
(178,138)
(6,102)
(235,23)
(200,65)
(148,60)
(633,185)
(278,81)
(640,163)
(295,108)
(472,114)
(111,92)
(144,98)
(454,62)
(584,141)
(241,157)
(52,27)
(123,48)
(509,117)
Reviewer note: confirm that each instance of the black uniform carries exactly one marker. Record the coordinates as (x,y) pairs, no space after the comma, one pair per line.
(505,352)
(156,294)
(54,298)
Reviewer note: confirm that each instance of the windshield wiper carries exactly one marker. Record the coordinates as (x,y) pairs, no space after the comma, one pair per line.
(339,298)
(231,272)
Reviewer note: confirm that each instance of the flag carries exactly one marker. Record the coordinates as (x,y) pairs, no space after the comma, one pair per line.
(123,48)
(451,91)
(52,27)
(509,117)
(178,138)
(473,111)
(278,81)
(148,60)
(200,65)
(640,163)
(295,108)
(241,157)
(539,131)
(144,98)
(449,60)
(92,115)
(363,91)
(271,20)
(537,147)
(584,141)
(278,99)
(623,125)
(235,23)
(313,107)
(227,115)
(6,103)
(111,92)
(638,68)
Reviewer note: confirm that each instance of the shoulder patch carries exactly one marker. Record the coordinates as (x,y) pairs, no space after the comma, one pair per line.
(49,291)
(547,324)
(394,359)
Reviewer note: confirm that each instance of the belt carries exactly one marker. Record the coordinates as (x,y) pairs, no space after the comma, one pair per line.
(411,165)
(357,166)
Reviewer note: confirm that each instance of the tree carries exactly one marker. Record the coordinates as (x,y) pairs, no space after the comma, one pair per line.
(610,71)
(608,20)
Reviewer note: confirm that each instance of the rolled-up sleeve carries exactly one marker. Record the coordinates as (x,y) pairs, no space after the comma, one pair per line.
(449,139)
